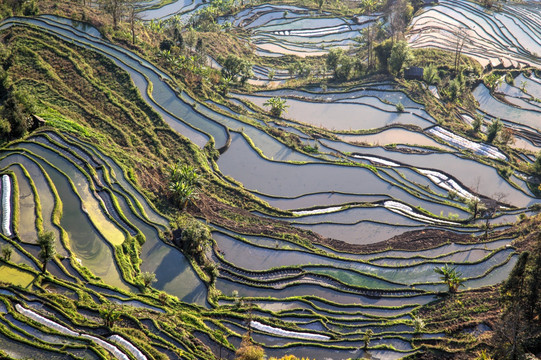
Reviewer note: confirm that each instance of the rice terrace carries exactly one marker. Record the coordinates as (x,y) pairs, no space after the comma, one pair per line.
(281,179)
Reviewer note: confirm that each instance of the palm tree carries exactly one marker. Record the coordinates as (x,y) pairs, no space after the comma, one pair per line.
(370,33)
(110,315)
(183,193)
(451,277)
(182,183)
(46,241)
(189,175)
(418,325)
(277,104)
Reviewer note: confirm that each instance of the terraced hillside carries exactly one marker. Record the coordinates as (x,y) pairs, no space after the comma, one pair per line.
(290,30)
(326,224)
(500,37)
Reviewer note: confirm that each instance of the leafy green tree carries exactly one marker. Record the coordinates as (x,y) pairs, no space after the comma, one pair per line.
(367,337)
(190,38)
(177,34)
(277,105)
(6,250)
(195,239)
(340,64)
(370,6)
(455,88)
(166,44)
(333,56)
(493,130)
(401,55)
(493,80)
(344,68)
(46,242)
(475,206)
(16,113)
(183,193)
(451,277)
(383,53)
(235,67)
(302,69)
(148,278)
(30,8)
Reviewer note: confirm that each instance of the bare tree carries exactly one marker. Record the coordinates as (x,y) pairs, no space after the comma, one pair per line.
(462,37)
(398,16)
(370,33)
(115,8)
(367,40)
(133,17)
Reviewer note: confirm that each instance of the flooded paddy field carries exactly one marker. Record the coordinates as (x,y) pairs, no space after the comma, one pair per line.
(371,174)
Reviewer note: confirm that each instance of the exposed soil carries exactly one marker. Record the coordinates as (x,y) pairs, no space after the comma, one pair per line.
(410,240)
(242,221)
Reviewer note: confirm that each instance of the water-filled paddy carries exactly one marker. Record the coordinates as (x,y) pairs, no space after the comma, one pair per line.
(344,116)
(308,187)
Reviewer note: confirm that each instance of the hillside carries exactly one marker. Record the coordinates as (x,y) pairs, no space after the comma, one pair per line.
(152,208)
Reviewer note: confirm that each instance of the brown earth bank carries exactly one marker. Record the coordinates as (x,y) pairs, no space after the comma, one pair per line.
(244,222)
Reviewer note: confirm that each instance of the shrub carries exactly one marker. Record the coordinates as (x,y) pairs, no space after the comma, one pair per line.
(6,251)
(166,45)
(277,104)
(148,278)
(30,8)
(249,351)
(430,75)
